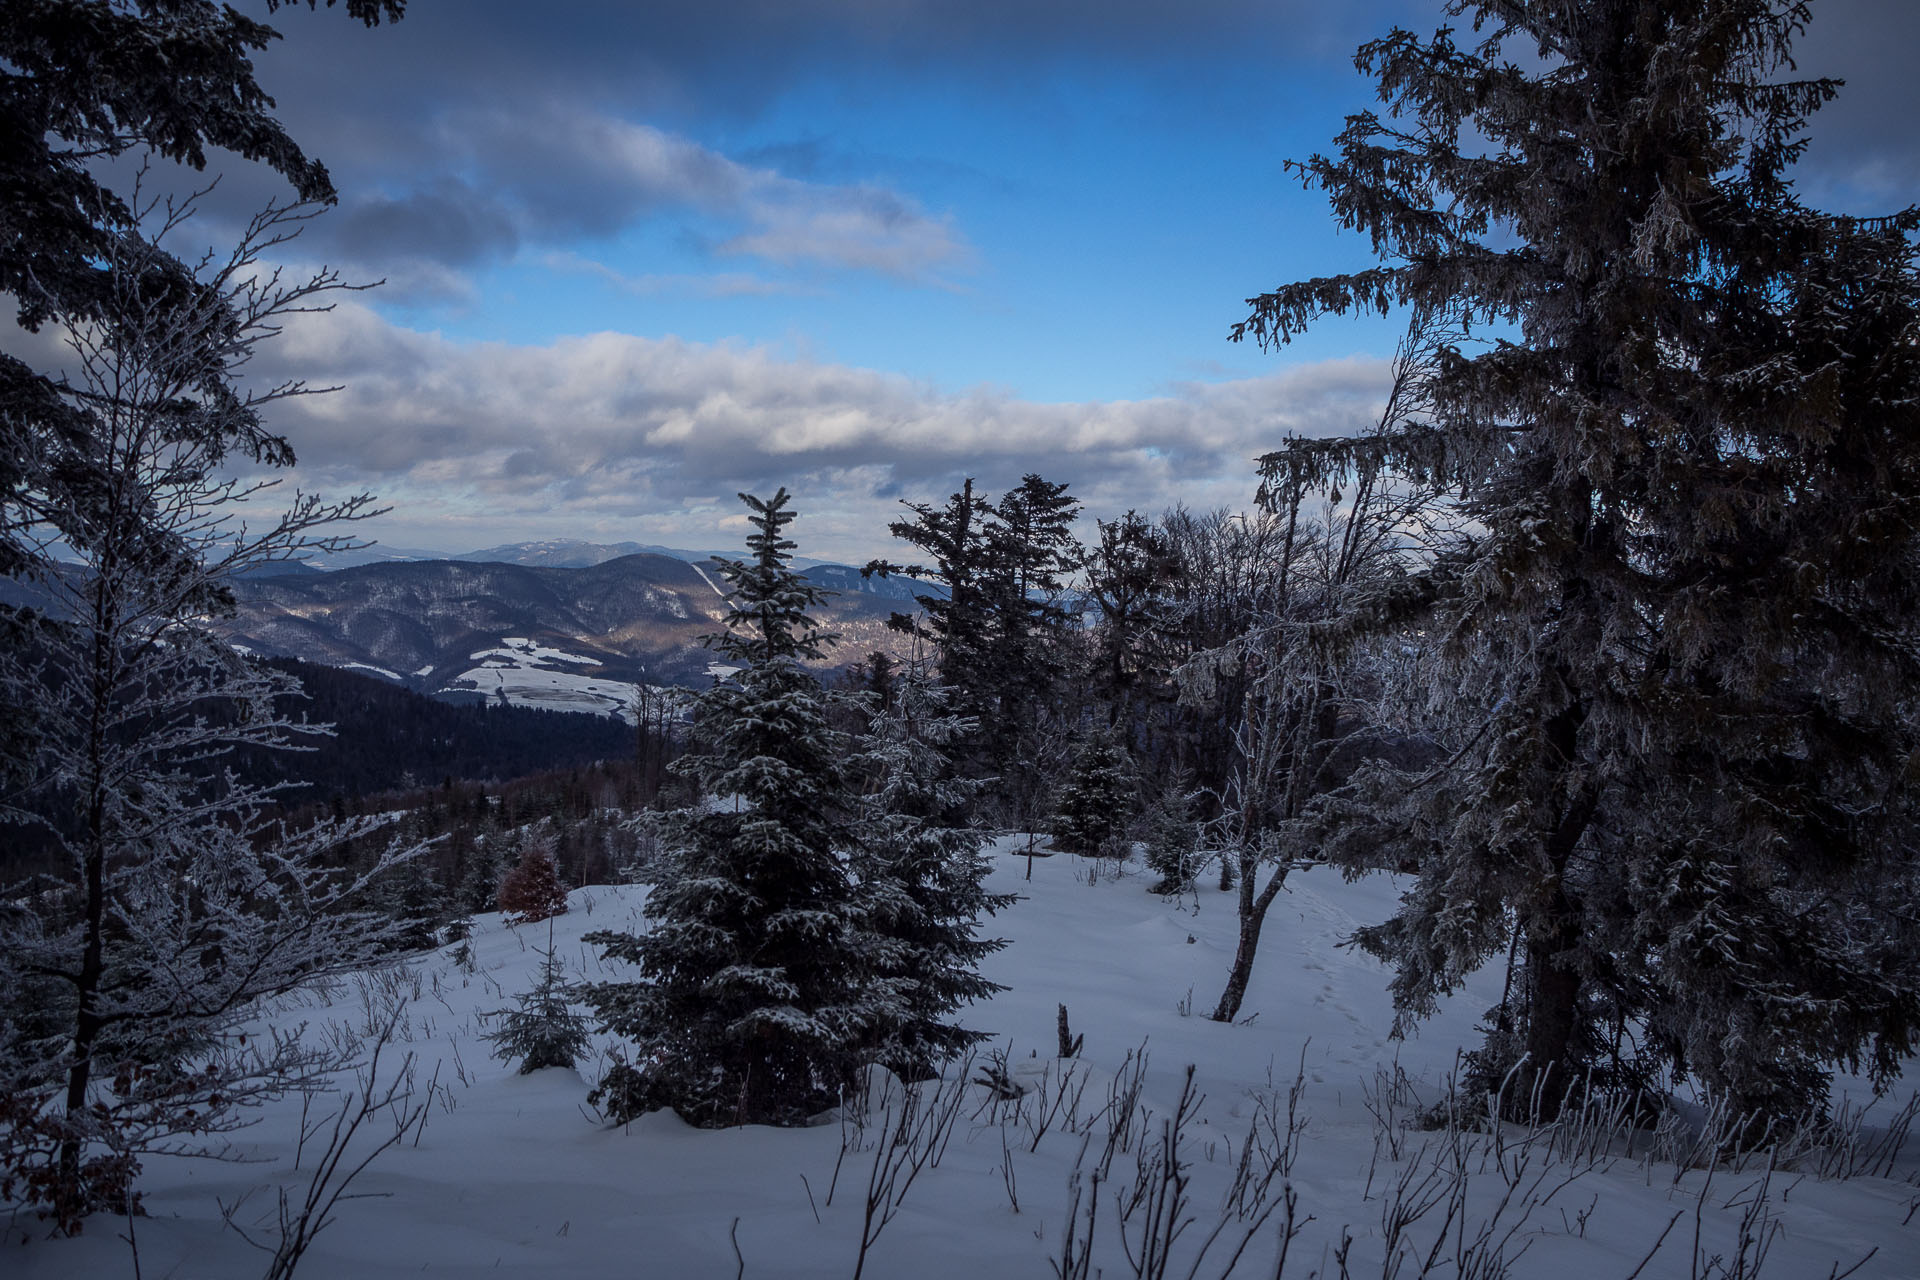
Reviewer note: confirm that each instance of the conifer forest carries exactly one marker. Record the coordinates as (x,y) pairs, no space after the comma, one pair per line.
(1451,811)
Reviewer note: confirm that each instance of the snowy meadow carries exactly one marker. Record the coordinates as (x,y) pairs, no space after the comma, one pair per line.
(1303,1141)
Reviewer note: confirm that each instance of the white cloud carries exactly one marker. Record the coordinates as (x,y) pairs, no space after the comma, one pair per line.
(648,438)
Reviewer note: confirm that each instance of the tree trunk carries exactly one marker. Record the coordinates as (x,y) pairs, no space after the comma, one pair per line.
(87,1021)
(1253,914)
(1555,1054)
(1553,1013)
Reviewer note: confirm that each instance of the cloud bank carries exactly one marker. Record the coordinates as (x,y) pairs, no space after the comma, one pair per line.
(612,435)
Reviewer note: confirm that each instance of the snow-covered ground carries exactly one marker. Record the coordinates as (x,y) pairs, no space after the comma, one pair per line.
(511,1175)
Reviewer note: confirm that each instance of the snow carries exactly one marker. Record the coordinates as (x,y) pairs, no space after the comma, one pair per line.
(512,1176)
(519,651)
(516,672)
(551,690)
(367,666)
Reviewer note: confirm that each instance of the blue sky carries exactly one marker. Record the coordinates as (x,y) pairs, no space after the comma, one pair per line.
(641,257)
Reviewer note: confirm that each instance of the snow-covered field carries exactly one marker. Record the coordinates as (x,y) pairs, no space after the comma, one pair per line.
(511,1175)
(524,673)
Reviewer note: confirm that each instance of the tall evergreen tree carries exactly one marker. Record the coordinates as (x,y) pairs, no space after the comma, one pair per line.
(1694,446)
(1033,552)
(999,625)
(1129,574)
(82,81)
(959,619)
(753,1002)
(169,900)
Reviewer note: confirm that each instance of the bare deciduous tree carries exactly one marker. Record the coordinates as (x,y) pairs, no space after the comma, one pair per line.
(1302,671)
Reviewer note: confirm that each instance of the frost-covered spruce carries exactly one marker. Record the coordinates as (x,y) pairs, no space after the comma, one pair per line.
(921,882)
(1171,835)
(546,1030)
(1097,800)
(479,889)
(1680,656)
(1000,627)
(752,1003)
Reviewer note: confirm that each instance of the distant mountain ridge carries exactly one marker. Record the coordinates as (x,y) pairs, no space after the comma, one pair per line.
(572,553)
(583,638)
(545,553)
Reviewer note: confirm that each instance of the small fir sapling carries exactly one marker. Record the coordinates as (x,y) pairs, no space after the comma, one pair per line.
(460,936)
(1097,800)
(1171,835)
(546,1030)
(532,890)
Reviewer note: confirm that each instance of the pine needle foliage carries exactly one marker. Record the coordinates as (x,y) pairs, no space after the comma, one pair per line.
(752,1003)
(546,1030)
(1691,435)
(922,883)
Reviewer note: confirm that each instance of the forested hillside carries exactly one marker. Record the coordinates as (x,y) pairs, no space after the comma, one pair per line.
(389,738)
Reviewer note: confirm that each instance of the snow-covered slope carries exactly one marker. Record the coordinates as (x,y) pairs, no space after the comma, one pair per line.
(523,673)
(511,1176)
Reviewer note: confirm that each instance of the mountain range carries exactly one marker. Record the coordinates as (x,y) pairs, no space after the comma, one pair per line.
(551,553)
(560,636)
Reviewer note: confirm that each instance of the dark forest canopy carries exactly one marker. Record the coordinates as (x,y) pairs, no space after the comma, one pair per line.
(383,733)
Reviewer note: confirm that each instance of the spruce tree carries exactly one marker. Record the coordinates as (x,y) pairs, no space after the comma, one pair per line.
(546,1030)
(752,1002)
(480,882)
(1692,438)
(1097,799)
(417,905)
(168,896)
(999,624)
(1171,835)
(1032,552)
(959,618)
(921,882)
(1130,574)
